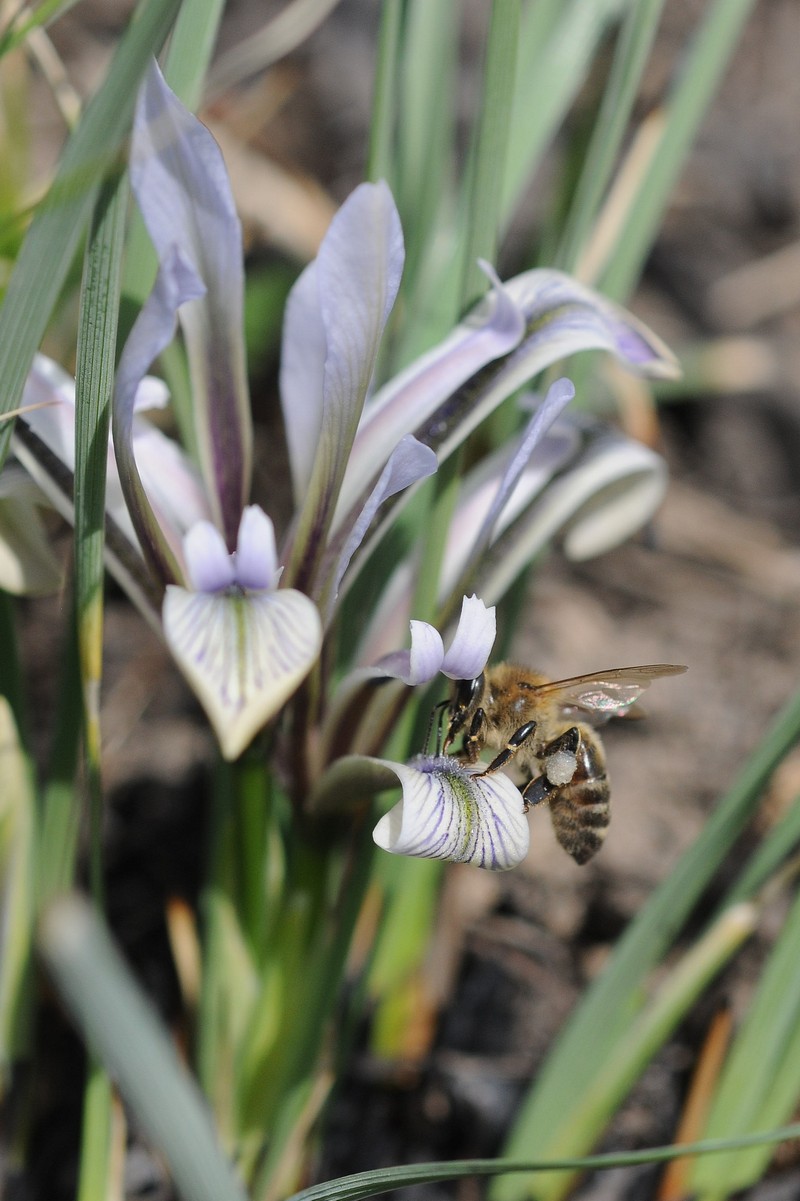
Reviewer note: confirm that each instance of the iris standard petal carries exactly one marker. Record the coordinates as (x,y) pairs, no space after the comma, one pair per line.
(243,655)
(302,371)
(358,269)
(256,556)
(472,642)
(208,563)
(449,812)
(181,186)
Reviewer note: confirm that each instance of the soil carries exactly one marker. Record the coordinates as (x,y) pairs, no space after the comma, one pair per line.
(714,583)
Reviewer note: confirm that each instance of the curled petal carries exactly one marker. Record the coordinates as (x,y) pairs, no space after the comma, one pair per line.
(493,329)
(562,317)
(449,812)
(579,318)
(243,655)
(472,642)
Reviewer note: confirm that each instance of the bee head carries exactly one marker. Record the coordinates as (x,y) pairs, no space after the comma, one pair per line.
(465,696)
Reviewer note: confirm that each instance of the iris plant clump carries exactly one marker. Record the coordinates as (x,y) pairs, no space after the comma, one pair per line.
(252,620)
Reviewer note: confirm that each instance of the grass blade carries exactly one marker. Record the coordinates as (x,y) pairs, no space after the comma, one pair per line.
(372,1184)
(61,219)
(119,1024)
(710,55)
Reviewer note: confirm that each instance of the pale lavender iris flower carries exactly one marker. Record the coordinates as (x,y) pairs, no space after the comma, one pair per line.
(244,629)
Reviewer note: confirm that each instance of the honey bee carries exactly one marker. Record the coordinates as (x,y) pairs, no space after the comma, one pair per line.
(546,726)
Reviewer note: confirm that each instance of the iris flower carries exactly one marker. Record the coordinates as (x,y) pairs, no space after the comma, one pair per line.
(245,614)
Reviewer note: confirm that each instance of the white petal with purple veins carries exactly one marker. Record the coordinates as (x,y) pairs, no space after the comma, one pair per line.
(472,642)
(450,812)
(256,556)
(243,655)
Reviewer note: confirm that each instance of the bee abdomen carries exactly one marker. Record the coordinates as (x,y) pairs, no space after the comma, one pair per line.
(580,814)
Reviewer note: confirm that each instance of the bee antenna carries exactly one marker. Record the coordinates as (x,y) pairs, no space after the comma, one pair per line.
(440,708)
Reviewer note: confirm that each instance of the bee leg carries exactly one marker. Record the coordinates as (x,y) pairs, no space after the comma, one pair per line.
(536,791)
(560,762)
(473,739)
(517,739)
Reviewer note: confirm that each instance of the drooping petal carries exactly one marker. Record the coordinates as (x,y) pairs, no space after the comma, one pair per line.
(358,273)
(494,328)
(450,812)
(243,655)
(562,317)
(574,312)
(473,640)
(182,189)
(408,463)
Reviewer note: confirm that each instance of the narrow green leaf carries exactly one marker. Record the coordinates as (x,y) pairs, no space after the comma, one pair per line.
(423,159)
(605,1091)
(380,157)
(97,338)
(633,47)
(711,52)
(94,1182)
(119,1023)
(550,72)
(26,21)
(383,1180)
(17,887)
(762,1072)
(61,219)
(490,148)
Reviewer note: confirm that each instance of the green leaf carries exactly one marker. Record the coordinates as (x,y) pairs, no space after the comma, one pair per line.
(61,219)
(761,1078)
(710,54)
(383,1180)
(127,1036)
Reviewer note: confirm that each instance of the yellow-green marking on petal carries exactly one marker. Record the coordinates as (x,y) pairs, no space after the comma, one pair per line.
(243,653)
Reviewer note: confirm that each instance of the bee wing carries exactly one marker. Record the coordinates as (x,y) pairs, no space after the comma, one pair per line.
(601,695)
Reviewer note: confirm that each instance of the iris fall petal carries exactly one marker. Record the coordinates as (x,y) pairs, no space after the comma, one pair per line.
(449,812)
(243,654)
